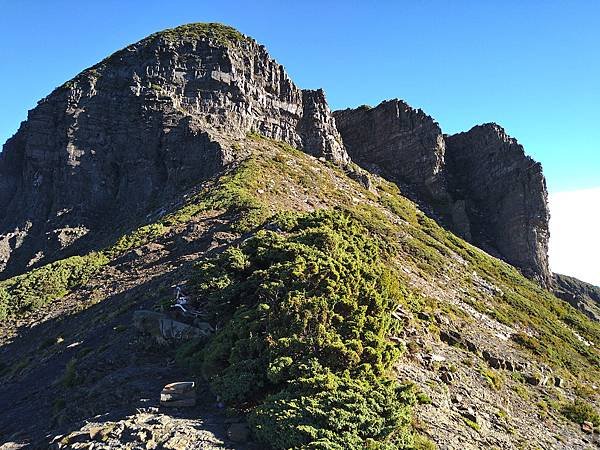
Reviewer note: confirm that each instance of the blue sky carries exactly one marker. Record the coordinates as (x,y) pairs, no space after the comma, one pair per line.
(532,66)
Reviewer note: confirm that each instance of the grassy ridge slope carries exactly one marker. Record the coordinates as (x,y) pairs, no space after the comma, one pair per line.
(350,256)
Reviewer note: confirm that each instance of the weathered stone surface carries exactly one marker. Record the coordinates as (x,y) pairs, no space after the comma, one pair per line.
(583,296)
(402,143)
(479,183)
(104,149)
(179,387)
(178,395)
(145,430)
(179,403)
(505,195)
(318,130)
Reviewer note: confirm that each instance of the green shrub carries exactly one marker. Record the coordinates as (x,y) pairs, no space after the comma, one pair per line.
(471,424)
(136,238)
(71,376)
(348,414)
(304,316)
(494,378)
(423,443)
(4,303)
(423,398)
(580,411)
(40,286)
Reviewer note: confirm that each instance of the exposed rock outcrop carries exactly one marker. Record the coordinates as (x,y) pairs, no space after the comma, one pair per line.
(318,130)
(129,134)
(583,296)
(505,195)
(125,136)
(397,141)
(479,183)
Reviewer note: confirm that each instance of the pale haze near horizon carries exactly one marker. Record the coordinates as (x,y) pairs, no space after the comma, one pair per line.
(575,234)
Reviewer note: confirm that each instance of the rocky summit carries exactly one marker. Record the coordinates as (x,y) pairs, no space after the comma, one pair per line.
(479,183)
(127,135)
(196,253)
(505,196)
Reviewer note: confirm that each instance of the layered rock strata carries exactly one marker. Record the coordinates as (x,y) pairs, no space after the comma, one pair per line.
(125,136)
(397,141)
(505,195)
(480,183)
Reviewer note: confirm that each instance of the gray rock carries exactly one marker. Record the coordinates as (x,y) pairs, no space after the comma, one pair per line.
(446,375)
(479,183)
(583,296)
(137,130)
(180,403)
(401,143)
(496,363)
(532,378)
(180,387)
(163,329)
(469,414)
(505,194)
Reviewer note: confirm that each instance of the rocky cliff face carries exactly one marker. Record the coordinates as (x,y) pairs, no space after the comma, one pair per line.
(505,195)
(126,135)
(583,296)
(400,142)
(480,183)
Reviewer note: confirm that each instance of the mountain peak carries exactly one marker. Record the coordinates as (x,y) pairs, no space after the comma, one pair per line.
(140,127)
(306,287)
(212,31)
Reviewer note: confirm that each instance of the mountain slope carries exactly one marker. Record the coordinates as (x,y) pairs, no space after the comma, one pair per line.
(131,133)
(333,311)
(476,338)
(479,183)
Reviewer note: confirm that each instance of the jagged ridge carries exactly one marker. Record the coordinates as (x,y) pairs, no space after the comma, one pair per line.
(479,183)
(138,136)
(127,135)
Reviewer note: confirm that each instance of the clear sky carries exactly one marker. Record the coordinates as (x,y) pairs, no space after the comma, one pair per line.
(532,66)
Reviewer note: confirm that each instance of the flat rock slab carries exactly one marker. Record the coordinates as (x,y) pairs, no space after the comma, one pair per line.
(183,403)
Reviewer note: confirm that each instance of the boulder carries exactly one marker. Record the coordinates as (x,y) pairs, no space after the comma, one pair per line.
(469,414)
(534,379)
(181,394)
(446,375)
(496,363)
(164,329)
